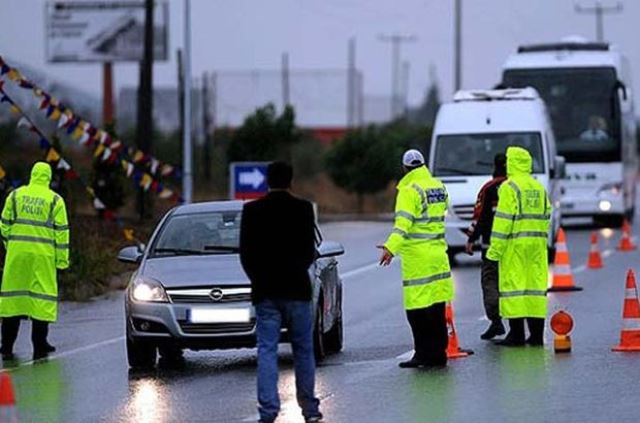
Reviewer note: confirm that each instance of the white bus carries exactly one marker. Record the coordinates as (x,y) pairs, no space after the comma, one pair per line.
(587,89)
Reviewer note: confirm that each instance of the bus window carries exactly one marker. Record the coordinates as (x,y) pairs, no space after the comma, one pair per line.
(584,108)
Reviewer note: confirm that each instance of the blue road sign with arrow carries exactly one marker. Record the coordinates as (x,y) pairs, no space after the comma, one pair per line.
(248,180)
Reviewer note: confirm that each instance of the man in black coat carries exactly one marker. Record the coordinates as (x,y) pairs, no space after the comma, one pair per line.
(277,247)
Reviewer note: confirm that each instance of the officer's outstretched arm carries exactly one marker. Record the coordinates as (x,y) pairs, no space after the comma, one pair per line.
(502,228)
(406,205)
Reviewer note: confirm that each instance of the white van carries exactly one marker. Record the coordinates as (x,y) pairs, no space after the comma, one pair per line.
(471,130)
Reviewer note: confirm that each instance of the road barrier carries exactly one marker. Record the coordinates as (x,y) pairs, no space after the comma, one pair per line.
(562,274)
(453,347)
(595,259)
(630,333)
(626,244)
(8,412)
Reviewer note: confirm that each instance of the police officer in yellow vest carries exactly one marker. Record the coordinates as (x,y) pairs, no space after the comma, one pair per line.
(519,245)
(35,234)
(418,238)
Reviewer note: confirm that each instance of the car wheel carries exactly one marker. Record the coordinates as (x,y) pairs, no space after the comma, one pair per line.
(319,347)
(140,354)
(335,337)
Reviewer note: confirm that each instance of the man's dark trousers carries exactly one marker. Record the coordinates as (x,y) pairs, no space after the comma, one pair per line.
(11,326)
(490,290)
(430,334)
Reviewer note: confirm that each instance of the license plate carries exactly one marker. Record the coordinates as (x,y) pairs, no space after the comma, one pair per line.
(219,315)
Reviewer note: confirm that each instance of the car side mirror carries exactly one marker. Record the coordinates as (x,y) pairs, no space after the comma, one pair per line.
(330,249)
(559,168)
(132,254)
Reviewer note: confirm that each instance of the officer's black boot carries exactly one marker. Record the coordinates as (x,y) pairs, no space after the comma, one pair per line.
(10,328)
(536,330)
(495,329)
(515,337)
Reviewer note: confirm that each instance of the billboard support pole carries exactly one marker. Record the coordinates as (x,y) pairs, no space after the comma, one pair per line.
(107,94)
(187,177)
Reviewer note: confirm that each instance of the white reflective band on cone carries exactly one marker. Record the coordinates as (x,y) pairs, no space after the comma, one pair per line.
(562,269)
(631,324)
(630,293)
(561,247)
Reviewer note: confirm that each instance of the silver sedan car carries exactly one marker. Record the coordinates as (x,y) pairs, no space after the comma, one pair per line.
(190,291)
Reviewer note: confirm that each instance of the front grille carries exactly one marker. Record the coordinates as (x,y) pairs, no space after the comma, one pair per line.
(216,328)
(203,296)
(464,211)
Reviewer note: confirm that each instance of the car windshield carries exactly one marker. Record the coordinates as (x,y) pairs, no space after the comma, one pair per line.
(201,233)
(473,154)
(583,108)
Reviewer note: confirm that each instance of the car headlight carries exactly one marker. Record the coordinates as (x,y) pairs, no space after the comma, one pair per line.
(614,188)
(148,290)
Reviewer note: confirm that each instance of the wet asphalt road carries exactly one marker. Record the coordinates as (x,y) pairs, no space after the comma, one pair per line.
(88,379)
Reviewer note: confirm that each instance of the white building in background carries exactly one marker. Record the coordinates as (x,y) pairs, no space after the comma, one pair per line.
(320,99)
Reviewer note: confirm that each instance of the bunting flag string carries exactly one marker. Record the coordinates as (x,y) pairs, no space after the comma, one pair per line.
(87,134)
(55,159)
(143,179)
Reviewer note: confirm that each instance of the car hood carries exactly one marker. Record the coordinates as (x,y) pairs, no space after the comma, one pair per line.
(191,271)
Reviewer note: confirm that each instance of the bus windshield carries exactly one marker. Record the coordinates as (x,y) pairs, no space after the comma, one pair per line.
(473,154)
(583,104)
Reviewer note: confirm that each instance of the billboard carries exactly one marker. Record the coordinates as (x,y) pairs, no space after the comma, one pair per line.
(103,31)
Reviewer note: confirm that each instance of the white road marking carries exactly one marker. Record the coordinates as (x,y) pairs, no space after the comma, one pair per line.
(359,270)
(68,353)
(405,356)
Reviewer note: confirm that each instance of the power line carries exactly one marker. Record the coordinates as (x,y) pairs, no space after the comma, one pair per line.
(599,10)
(396,41)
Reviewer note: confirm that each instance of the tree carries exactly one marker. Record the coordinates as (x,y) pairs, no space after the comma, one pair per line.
(364,162)
(264,136)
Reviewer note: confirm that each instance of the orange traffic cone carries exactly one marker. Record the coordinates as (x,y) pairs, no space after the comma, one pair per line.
(8,411)
(630,334)
(453,347)
(562,275)
(595,259)
(625,242)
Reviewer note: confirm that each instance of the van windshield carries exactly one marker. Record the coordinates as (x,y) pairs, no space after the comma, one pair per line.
(473,154)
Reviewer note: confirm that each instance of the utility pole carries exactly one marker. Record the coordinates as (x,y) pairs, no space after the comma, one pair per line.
(206,127)
(406,68)
(144,129)
(187,177)
(351,83)
(599,10)
(286,99)
(457,46)
(107,94)
(396,41)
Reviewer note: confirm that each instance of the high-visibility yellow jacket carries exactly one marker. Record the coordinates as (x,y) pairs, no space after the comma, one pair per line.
(35,234)
(418,238)
(519,240)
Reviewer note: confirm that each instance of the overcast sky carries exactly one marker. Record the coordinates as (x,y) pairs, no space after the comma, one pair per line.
(252,34)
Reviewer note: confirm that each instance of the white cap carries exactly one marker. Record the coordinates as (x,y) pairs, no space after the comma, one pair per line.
(412,158)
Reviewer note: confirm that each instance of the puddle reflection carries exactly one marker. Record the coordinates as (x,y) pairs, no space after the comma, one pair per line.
(148,401)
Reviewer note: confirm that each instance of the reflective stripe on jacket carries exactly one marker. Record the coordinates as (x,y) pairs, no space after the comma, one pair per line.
(418,238)
(35,233)
(519,240)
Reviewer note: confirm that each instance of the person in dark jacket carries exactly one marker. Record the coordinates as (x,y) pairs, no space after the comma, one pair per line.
(483,214)
(277,247)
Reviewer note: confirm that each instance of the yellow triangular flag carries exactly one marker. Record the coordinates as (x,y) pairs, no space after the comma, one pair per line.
(2,173)
(99,150)
(52,156)
(128,234)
